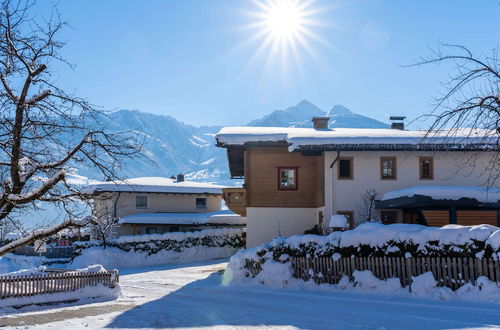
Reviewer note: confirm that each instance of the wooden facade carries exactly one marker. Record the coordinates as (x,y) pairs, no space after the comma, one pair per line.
(260,171)
(438,218)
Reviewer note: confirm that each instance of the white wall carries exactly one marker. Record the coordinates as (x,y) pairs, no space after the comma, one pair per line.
(266,223)
(449,170)
(156,203)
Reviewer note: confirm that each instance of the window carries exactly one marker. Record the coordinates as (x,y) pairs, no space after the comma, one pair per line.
(287,178)
(388,168)
(201,203)
(350,217)
(141,202)
(174,229)
(388,217)
(345,168)
(426,168)
(151,230)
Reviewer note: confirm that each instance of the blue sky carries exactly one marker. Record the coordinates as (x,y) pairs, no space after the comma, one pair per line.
(194,60)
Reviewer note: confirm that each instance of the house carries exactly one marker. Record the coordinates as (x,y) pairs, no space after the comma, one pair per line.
(155,205)
(297,178)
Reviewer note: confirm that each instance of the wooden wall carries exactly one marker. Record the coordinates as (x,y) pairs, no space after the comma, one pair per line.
(437,218)
(261,178)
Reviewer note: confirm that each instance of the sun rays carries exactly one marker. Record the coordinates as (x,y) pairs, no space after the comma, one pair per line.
(282,32)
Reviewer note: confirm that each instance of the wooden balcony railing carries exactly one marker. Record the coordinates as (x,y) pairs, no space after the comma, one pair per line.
(236,200)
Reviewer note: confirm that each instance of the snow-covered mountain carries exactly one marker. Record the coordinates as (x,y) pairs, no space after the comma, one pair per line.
(172,147)
(301,114)
(169,147)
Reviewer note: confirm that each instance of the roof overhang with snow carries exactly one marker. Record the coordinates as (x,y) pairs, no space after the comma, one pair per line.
(441,197)
(357,139)
(313,142)
(225,217)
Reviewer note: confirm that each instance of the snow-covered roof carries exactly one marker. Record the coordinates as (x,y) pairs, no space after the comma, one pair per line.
(480,194)
(301,137)
(156,185)
(225,217)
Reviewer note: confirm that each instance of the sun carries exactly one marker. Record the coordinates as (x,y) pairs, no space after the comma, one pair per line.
(283,29)
(283,19)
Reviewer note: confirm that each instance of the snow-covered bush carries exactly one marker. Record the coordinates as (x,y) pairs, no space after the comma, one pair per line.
(375,240)
(270,265)
(395,240)
(140,250)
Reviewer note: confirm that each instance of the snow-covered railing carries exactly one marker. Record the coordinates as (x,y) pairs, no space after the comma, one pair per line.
(449,272)
(16,286)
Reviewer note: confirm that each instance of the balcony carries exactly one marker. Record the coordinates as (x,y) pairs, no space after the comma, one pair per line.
(236,200)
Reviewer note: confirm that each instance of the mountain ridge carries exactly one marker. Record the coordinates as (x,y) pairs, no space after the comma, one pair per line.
(172,146)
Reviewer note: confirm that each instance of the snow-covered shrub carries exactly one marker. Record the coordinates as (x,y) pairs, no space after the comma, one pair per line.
(395,240)
(374,240)
(139,250)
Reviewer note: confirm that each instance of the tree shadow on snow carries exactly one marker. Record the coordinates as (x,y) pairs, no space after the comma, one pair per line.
(206,303)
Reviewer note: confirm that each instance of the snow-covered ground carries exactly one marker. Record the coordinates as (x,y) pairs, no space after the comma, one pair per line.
(191,296)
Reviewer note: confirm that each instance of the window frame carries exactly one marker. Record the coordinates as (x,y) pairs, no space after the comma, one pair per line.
(350,215)
(351,169)
(394,168)
(296,186)
(421,167)
(141,207)
(196,203)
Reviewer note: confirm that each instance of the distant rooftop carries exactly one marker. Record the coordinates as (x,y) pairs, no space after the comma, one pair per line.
(156,185)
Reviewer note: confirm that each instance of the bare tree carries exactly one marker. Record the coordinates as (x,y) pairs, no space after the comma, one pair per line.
(105,225)
(44,130)
(367,210)
(471,99)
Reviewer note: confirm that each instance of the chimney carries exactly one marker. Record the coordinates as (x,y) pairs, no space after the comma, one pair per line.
(180,177)
(398,122)
(320,122)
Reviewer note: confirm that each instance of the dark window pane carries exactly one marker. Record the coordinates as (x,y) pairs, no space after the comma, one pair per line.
(201,203)
(388,217)
(141,202)
(345,168)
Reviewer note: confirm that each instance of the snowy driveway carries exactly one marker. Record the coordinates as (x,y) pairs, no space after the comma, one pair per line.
(190,296)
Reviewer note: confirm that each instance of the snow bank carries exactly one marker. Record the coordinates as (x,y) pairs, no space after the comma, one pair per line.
(142,250)
(12,262)
(279,275)
(480,194)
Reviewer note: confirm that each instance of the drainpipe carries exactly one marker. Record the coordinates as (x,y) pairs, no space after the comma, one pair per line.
(331,181)
(114,206)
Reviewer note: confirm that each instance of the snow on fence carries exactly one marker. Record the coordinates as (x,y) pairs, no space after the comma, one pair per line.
(449,272)
(16,286)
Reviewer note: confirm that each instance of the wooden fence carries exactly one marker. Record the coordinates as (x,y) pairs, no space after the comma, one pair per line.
(450,272)
(30,285)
